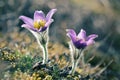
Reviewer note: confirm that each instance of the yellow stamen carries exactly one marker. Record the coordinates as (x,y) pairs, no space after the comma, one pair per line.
(39,24)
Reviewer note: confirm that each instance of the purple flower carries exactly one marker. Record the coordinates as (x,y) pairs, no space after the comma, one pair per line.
(80,41)
(40,22)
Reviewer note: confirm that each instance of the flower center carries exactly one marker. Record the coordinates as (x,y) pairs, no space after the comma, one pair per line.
(39,24)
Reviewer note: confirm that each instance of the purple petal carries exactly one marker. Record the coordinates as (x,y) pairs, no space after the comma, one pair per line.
(28,27)
(71,31)
(90,42)
(26,20)
(50,14)
(82,34)
(80,45)
(42,29)
(93,36)
(71,34)
(39,15)
(49,22)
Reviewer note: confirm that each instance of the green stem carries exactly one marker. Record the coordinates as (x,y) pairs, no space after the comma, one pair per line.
(81,57)
(45,54)
(75,61)
(74,65)
(42,39)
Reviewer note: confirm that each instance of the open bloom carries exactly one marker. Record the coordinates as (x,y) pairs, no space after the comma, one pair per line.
(80,41)
(40,22)
(39,26)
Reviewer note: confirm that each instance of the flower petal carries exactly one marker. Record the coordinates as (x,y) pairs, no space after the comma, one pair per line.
(93,36)
(90,42)
(71,34)
(26,20)
(42,29)
(71,31)
(79,44)
(39,15)
(82,34)
(28,27)
(49,22)
(50,14)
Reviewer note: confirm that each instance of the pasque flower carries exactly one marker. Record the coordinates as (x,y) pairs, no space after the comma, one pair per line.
(39,27)
(77,45)
(40,22)
(80,41)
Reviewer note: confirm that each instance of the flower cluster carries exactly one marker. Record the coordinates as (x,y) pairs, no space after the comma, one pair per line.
(39,27)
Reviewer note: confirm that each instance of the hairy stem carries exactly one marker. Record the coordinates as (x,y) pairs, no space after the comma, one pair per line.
(81,57)
(42,39)
(75,61)
(45,54)
(74,65)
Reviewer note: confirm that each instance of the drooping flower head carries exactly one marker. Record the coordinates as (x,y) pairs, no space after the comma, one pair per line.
(40,22)
(80,41)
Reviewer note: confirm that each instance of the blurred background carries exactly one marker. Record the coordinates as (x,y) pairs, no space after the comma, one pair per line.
(95,16)
(101,17)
